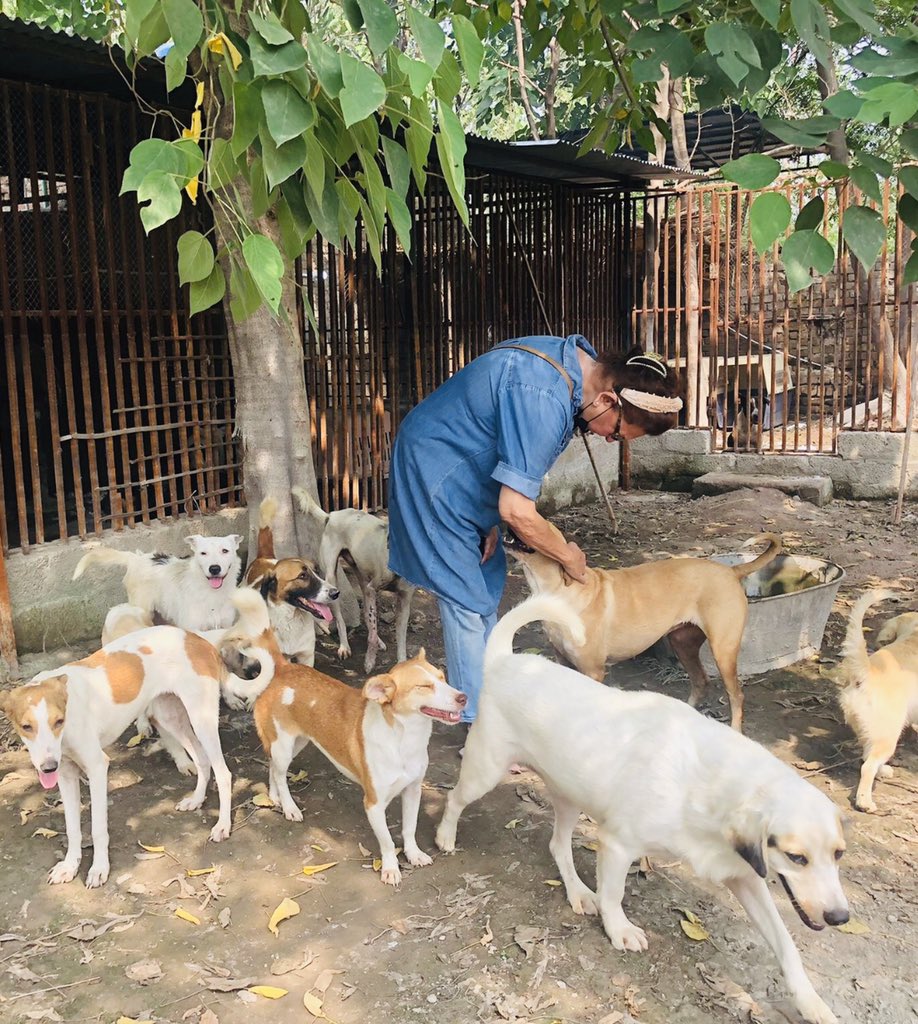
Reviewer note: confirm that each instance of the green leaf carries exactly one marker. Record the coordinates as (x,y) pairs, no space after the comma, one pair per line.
(877,164)
(812,24)
(418,137)
(769,217)
(400,217)
(860,11)
(451,149)
(907,209)
(153,32)
(668,46)
(448,79)
(325,214)
(735,51)
(908,176)
(844,104)
(428,35)
(185,23)
(247,114)
(398,165)
(207,292)
(326,63)
(418,73)
(833,169)
(753,171)
(363,93)
(195,257)
(292,191)
(182,160)
(314,165)
(810,217)
(292,238)
(886,64)
(866,181)
(260,198)
(353,13)
(266,265)
(801,251)
(769,9)
(176,67)
(909,139)
(286,112)
(910,271)
(281,161)
(164,195)
(381,24)
(806,131)
(221,167)
(896,101)
(471,48)
(245,296)
(864,232)
(270,29)
(275,60)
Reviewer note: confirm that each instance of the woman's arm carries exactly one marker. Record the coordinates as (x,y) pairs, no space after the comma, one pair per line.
(521,515)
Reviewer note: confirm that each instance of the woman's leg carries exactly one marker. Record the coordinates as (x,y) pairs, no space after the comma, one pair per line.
(464,636)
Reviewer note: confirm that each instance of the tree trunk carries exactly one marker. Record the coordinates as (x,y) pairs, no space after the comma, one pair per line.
(696,414)
(653,207)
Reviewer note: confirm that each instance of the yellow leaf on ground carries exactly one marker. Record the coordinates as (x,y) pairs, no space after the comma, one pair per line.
(377,864)
(23,815)
(135,740)
(512,823)
(152,849)
(854,927)
(689,915)
(319,849)
(591,846)
(45,833)
(286,908)
(185,916)
(194,872)
(553,882)
(262,800)
(314,869)
(268,991)
(300,776)
(314,1005)
(132,1020)
(694,931)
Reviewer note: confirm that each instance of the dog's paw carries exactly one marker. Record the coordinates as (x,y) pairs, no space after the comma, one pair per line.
(865,804)
(583,901)
(185,765)
(627,936)
(220,832)
(234,702)
(445,839)
(63,871)
(885,771)
(344,652)
(98,875)
(190,803)
(814,1010)
(391,875)
(417,857)
(293,813)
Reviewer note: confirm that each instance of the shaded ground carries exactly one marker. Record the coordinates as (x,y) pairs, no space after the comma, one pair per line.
(482,935)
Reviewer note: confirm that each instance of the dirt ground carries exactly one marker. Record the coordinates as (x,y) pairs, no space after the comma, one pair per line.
(485,934)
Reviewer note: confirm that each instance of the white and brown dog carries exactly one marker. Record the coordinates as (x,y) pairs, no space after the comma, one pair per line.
(297,596)
(356,540)
(879,695)
(376,736)
(67,717)
(625,611)
(191,591)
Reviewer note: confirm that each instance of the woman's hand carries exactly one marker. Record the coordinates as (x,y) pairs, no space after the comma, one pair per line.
(575,564)
(490,544)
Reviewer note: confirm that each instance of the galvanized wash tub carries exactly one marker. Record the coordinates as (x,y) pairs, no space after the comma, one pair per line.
(782,627)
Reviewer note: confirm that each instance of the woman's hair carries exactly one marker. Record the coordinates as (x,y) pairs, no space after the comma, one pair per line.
(647,372)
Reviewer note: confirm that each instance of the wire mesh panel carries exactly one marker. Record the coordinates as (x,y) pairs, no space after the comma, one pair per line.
(769,369)
(120,407)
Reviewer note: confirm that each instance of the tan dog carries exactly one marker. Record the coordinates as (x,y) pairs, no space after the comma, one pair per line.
(377,737)
(297,596)
(880,691)
(625,611)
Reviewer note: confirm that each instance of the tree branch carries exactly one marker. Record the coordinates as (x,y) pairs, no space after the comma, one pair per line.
(521,67)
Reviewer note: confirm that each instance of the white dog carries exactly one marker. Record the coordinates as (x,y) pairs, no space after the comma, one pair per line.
(360,541)
(192,591)
(658,778)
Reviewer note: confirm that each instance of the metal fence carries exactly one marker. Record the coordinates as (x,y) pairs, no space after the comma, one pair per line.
(790,369)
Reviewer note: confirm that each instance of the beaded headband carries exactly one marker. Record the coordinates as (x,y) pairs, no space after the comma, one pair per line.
(648,361)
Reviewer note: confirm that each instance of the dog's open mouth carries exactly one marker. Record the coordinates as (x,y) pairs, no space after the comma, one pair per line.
(450,717)
(48,780)
(513,543)
(216,582)
(801,913)
(320,611)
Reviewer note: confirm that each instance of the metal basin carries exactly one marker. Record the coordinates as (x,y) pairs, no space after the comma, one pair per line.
(789,605)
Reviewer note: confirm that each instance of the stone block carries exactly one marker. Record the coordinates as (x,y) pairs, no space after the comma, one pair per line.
(815,489)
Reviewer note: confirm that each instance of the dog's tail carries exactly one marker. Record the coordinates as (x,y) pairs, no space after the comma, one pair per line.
(542,607)
(768,555)
(309,505)
(266,513)
(854,647)
(104,556)
(253,612)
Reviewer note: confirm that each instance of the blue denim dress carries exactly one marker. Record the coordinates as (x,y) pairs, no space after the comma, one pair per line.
(502,419)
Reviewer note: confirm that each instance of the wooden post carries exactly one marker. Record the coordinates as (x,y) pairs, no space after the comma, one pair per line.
(7,637)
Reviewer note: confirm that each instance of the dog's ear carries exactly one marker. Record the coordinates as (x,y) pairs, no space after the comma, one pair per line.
(421,655)
(234,540)
(752,851)
(380,688)
(193,540)
(6,704)
(268,585)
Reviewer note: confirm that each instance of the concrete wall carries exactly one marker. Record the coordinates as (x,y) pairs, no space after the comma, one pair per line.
(51,611)
(571,480)
(866,466)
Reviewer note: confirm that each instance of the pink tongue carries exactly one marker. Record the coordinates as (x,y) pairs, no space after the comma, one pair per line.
(216,582)
(324,611)
(48,779)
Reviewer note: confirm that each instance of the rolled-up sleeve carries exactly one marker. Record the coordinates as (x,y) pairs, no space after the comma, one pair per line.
(532,429)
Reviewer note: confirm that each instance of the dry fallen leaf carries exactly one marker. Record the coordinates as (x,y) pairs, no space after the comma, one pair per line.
(268,991)
(225,917)
(285,909)
(262,800)
(135,740)
(377,864)
(299,776)
(694,931)
(45,833)
(148,856)
(284,965)
(854,927)
(144,971)
(553,882)
(325,979)
(512,823)
(132,1020)
(185,916)
(364,852)
(194,872)
(152,849)
(314,869)
(313,1005)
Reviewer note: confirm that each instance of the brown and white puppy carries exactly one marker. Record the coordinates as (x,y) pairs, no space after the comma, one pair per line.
(376,736)
(66,718)
(625,611)
(296,594)
(880,691)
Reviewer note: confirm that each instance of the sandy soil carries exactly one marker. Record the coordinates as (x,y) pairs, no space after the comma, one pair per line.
(485,934)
